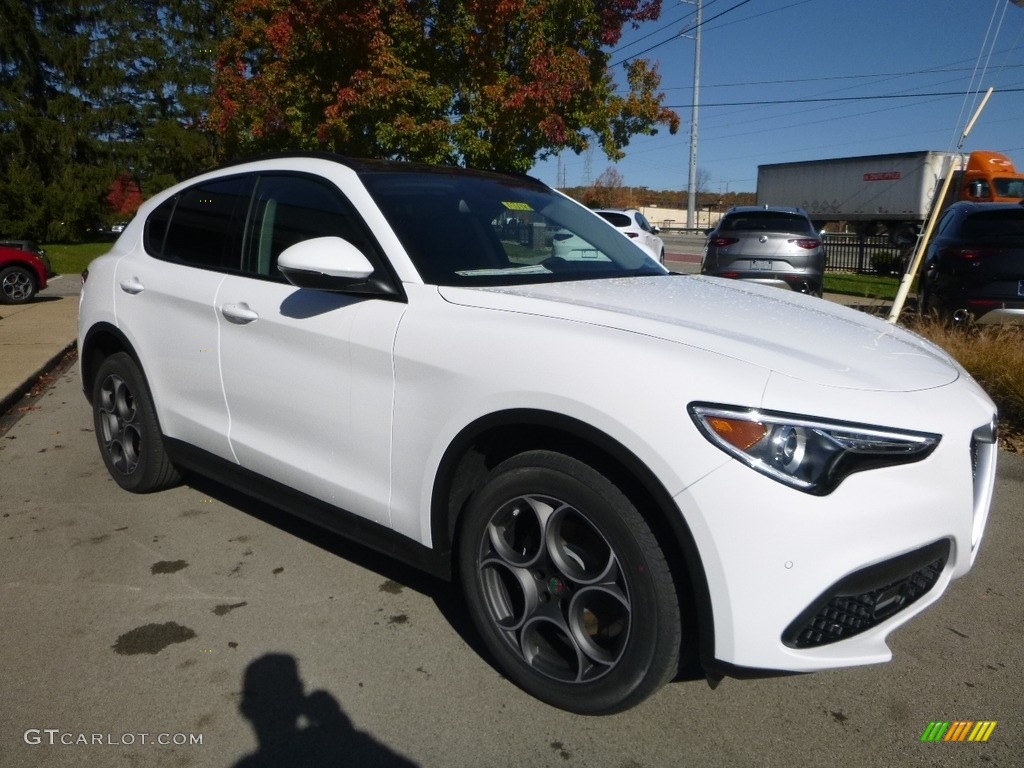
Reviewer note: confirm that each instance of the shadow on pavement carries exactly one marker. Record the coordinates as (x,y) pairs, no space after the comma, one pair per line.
(298,729)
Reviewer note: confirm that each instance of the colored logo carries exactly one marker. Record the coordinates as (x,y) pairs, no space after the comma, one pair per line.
(557,587)
(959,730)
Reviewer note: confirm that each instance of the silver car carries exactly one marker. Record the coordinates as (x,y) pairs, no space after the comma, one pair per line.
(769,245)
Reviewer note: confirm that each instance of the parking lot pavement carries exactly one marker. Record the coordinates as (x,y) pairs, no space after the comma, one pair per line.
(34,336)
(196,615)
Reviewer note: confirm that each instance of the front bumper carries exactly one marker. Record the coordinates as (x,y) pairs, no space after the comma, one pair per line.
(865,599)
(800,583)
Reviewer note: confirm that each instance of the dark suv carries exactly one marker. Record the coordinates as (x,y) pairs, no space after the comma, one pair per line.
(974,266)
(770,245)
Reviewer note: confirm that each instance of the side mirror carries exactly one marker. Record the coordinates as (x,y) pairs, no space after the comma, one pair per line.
(655,230)
(329,264)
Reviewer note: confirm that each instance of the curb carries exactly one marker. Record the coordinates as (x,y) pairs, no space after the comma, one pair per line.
(8,400)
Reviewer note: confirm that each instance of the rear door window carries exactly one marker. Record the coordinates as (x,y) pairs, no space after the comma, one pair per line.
(645,225)
(201,226)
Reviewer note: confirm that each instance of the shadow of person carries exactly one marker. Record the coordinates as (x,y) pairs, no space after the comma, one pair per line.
(293,729)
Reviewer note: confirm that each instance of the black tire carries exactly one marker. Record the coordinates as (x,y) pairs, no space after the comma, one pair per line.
(934,307)
(567,585)
(17,285)
(127,429)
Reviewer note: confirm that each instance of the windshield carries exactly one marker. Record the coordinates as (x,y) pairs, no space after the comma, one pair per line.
(462,228)
(1009,187)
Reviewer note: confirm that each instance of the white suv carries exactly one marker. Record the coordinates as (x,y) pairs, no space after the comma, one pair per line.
(374,347)
(635,226)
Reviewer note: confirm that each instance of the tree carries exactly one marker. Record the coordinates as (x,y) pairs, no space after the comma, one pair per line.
(607,191)
(702,180)
(95,90)
(154,62)
(484,83)
(46,120)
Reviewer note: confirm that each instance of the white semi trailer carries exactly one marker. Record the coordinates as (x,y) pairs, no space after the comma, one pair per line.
(892,193)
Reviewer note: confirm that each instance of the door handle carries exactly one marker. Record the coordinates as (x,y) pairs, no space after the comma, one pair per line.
(132,285)
(239,314)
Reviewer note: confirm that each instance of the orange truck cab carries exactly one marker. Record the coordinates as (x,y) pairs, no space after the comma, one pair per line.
(991,177)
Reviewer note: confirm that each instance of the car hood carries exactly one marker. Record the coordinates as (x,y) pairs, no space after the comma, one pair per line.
(791,334)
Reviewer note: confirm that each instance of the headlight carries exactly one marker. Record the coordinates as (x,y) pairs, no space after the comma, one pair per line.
(808,454)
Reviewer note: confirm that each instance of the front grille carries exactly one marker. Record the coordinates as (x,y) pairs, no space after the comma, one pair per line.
(868,597)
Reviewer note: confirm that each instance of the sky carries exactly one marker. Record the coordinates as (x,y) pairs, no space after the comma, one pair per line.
(789,80)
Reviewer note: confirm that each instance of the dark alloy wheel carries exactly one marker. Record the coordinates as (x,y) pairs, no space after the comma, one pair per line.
(568,586)
(127,429)
(17,285)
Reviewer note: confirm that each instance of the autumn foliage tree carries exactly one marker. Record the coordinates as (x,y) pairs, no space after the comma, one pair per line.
(484,83)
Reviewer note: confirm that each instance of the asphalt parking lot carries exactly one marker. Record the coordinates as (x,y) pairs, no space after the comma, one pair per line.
(135,626)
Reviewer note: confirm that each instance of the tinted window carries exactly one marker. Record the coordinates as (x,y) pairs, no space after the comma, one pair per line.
(619,220)
(290,209)
(947,218)
(204,224)
(156,227)
(766,221)
(995,224)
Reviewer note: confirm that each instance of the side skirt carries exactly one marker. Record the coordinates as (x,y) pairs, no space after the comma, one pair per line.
(334,519)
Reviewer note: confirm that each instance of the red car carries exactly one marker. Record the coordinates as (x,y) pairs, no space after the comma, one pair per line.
(22,275)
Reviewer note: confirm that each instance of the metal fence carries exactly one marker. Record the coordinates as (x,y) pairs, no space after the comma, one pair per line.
(862,254)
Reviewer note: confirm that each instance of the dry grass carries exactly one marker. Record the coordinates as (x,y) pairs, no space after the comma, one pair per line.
(994,356)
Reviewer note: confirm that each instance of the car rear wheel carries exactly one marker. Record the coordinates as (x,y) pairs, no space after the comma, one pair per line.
(934,307)
(127,429)
(17,285)
(567,585)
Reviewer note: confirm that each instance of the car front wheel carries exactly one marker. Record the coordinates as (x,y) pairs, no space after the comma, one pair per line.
(567,585)
(17,285)
(127,429)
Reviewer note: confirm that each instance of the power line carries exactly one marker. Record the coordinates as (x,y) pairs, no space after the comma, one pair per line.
(691,29)
(832,99)
(793,81)
(675,37)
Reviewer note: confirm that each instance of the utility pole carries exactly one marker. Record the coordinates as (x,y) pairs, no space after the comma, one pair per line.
(691,204)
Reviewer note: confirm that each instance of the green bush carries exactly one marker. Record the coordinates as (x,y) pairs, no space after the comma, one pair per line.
(885,263)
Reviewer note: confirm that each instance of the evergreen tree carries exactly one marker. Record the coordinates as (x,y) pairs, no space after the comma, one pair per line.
(96,93)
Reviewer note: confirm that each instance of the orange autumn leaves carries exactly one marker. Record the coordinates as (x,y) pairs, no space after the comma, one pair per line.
(485,84)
